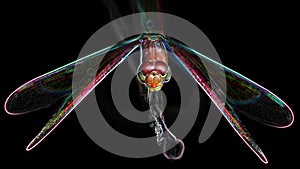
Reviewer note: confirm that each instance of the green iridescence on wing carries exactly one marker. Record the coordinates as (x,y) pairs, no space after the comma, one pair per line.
(275,99)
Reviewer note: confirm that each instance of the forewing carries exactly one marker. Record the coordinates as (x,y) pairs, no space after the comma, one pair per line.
(112,59)
(244,95)
(55,85)
(239,95)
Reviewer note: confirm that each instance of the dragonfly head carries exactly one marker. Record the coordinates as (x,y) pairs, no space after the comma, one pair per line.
(154,75)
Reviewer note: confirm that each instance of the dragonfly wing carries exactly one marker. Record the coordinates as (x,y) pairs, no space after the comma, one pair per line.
(53,86)
(244,95)
(241,95)
(45,84)
(40,92)
(257,102)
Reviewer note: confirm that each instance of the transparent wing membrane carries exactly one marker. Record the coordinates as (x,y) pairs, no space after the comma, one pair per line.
(231,92)
(41,92)
(57,84)
(241,95)
(50,87)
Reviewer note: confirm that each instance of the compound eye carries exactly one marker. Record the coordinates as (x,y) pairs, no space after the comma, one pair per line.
(146,67)
(161,67)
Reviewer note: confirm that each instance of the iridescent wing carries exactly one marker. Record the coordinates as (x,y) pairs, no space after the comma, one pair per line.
(56,85)
(239,95)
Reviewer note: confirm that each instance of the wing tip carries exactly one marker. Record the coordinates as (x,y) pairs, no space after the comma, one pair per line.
(6,107)
(29,147)
(291,121)
(292,117)
(20,88)
(33,143)
(262,157)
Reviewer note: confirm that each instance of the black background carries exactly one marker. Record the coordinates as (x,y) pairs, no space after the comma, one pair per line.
(255,39)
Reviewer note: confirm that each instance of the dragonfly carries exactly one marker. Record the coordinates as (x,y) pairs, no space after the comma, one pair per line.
(242,95)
